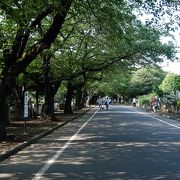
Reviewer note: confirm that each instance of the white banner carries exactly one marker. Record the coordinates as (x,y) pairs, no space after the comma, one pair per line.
(177,94)
(26,114)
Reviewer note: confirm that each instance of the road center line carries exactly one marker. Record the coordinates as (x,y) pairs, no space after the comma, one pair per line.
(178,127)
(60,151)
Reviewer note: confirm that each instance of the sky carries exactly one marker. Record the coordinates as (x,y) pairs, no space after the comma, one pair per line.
(173,67)
(168,66)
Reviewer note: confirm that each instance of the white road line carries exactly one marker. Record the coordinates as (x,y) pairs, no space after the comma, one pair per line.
(178,127)
(59,152)
(116,112)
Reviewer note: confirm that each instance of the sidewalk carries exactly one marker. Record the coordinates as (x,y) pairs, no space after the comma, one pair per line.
(175,116)
(33,130)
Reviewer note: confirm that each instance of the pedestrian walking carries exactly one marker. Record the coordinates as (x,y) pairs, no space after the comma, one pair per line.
(100,102)
(134,102)
(107,102)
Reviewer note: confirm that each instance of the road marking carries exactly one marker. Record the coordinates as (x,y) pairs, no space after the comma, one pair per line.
(116,112)
(178,127)
(60,151)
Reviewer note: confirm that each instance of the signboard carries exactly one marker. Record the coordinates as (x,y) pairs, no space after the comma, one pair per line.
(26,104)
(177,94)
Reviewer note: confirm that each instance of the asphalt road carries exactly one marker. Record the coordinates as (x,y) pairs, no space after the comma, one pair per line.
(122,143)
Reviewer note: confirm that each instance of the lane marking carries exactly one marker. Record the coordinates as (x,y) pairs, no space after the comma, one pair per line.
(60,151)
(139,112)
(178,127)
(116,112)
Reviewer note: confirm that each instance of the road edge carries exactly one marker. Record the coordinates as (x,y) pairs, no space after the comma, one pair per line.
(23,145)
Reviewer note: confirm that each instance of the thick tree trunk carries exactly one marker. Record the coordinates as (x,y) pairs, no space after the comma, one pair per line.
(4,117)
(84,98)
(71,87)
(49,105)
(4,112)
(78,98)
(69,96)
(50,92)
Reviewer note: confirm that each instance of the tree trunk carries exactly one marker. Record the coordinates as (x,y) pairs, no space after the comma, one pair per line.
(49,104)
(37,105)
(84,98)
(78,98)
(50,92)
(4,112)
(69,96)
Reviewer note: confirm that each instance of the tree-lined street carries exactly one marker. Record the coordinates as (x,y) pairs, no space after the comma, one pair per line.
(60,58)
(58,51)
(122,143)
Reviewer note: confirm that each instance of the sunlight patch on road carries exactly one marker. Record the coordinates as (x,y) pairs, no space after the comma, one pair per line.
(160,120)
(6,175)
(60,151)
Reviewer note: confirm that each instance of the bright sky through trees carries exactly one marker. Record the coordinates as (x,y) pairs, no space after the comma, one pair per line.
(172,67)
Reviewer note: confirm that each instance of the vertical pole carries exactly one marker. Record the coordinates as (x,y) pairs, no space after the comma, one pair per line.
(26,113)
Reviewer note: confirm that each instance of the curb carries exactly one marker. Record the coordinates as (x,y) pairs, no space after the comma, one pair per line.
(36,138)
(170,117)
(164,115)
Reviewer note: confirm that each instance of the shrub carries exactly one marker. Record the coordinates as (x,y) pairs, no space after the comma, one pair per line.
(178,103)
(144,100)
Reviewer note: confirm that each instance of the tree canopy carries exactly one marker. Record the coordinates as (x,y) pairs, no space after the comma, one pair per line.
(170,84)
(70,38)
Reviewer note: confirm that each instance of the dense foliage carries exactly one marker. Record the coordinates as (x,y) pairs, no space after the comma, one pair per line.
(170,84)
(46,42)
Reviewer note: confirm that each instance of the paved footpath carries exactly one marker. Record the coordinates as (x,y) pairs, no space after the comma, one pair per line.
(122,143)
(9,148)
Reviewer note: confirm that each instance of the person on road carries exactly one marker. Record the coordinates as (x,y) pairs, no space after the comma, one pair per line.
(107,103)
(155,106)
(134,102)
(100,102)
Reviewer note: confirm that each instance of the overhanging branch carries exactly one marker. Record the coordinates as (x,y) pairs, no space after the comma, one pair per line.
(47,39)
